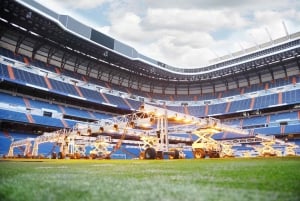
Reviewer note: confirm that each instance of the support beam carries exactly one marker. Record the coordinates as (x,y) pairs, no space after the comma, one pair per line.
(51,52)
(19,42)
(36,47)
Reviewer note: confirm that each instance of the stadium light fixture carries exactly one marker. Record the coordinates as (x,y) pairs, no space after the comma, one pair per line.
(179,117)
(143,123)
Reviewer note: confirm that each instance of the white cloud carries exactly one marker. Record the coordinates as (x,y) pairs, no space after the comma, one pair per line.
(173,36)
(82,4)
(128,27)
(188,32)
(204,20)
(244,5)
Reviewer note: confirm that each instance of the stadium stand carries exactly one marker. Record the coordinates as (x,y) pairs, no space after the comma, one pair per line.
(47,86)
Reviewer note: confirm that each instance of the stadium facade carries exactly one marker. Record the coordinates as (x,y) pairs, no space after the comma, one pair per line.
(55,72)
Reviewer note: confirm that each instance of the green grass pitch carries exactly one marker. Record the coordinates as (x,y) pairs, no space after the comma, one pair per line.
(151,180)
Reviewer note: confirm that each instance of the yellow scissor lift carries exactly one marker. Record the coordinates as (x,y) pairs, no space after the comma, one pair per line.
(206,146)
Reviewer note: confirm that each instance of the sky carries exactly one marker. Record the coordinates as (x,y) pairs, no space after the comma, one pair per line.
(186,33)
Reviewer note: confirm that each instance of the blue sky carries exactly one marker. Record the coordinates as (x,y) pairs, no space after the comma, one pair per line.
(186,33)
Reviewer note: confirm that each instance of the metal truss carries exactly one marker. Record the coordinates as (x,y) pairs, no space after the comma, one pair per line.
(141,126)
(21,143)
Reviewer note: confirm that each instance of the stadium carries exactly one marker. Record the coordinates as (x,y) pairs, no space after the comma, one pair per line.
(69,91)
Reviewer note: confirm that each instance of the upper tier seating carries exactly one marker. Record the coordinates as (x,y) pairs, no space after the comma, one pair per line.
(70,89)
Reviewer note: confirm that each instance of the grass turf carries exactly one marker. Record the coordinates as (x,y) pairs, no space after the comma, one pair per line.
(159,180)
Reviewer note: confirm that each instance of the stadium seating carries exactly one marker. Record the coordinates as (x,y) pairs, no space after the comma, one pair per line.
(267,95)
(21,107)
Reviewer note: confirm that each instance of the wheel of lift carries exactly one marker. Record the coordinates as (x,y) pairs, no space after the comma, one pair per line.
(199,153)
(53,155)
(61,155)
(176,154)
(150,153)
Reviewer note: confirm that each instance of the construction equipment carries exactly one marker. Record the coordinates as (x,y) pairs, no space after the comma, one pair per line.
(152,148)
(156,146)
(21,143)
(70,143)
(100,148)
(154,141)
(290,149)
(74,146)
(57,137)
(206,146)
(265,149)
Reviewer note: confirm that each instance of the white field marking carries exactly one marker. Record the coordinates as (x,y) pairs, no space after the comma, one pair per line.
(51,167)
(140,162)
(102,165)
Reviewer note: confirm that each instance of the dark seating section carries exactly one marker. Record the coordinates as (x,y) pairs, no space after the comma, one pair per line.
(12,100)
(278,130)
(265,101)
(43,119)
(227,135)
(256,103)
(29,78)
(284,116)
(197,110)
(273,124)
(3,71)
(217,108)
(255,121)
(44,66)
(290,97)
(240,105)
(134,103)
(92,95)
(64,88)
(178,109)
(61,87)
(42,105)
(267,119)
(13,116)
(118,101)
